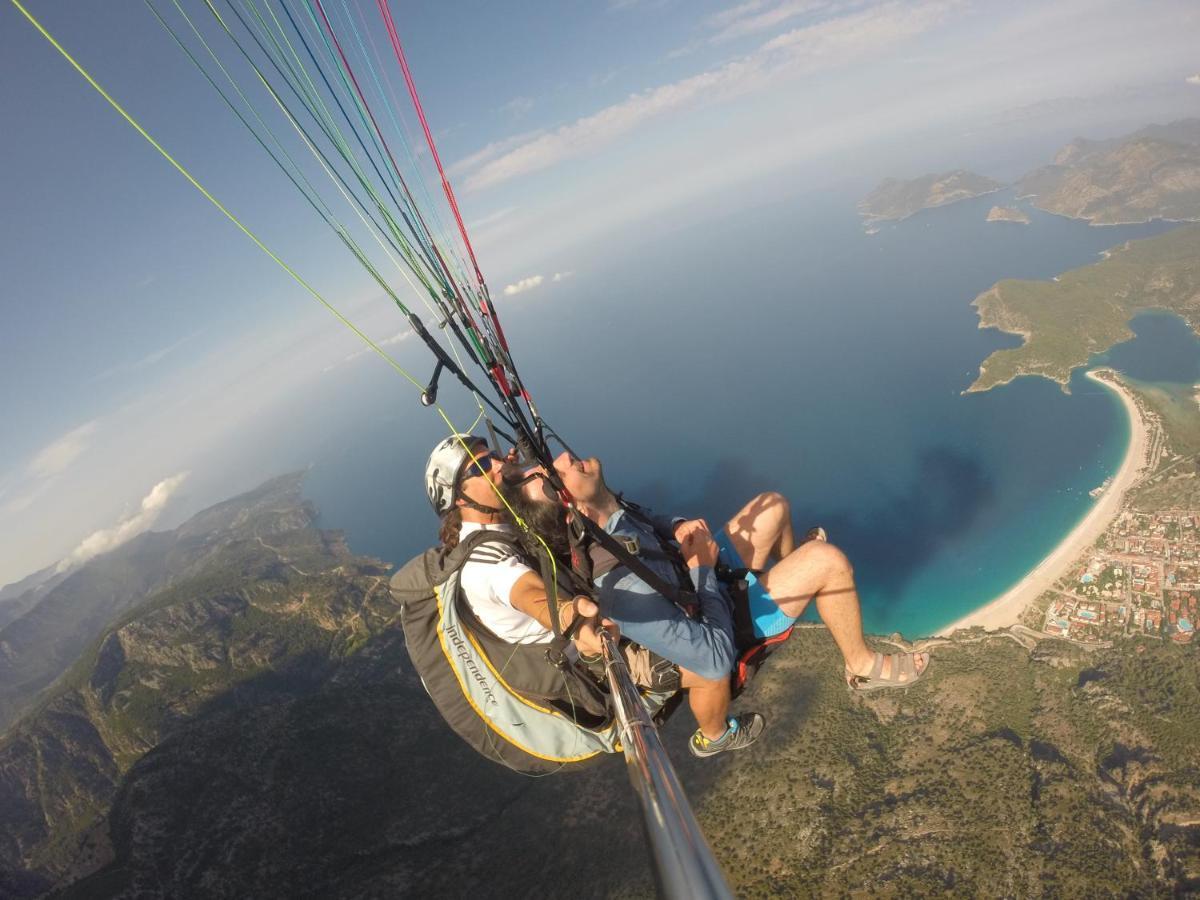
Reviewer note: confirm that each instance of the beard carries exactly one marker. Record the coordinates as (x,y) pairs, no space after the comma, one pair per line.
(545,518)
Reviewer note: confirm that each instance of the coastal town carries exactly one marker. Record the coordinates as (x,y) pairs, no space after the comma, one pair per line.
(1142,578)
(1123,572)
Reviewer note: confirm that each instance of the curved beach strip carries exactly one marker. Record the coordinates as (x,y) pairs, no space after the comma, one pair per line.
(1006,609)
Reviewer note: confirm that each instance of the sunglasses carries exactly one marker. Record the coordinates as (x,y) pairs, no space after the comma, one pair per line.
(485,462)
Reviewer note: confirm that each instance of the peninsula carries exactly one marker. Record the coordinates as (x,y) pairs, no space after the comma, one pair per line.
(1153,173)
(1127,569)
(1087,310)
(896,199)
(1008,214)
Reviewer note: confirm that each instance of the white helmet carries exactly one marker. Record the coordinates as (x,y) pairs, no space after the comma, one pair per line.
(445,467)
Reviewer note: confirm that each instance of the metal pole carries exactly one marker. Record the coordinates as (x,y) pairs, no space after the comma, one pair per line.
(683,862)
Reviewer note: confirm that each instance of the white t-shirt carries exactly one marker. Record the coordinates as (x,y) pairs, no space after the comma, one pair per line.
(487,580)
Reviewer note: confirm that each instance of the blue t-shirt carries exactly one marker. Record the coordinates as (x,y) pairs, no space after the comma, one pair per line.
(703,645)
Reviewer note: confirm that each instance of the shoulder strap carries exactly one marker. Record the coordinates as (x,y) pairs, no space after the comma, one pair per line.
(666,540)
(456,558)
(681,597)
(453,560)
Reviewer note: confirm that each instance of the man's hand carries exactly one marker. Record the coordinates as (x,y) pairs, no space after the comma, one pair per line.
(696,543)
(587,638)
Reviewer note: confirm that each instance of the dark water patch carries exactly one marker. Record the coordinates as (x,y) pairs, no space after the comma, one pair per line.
(948,492)
(1089,675)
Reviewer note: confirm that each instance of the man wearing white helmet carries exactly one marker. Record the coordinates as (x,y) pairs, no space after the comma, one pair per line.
(506,595)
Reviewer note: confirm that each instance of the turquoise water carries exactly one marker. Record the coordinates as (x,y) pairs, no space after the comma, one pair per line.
(782,348)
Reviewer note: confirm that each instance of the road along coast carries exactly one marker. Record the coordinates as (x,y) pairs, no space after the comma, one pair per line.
(1006,609)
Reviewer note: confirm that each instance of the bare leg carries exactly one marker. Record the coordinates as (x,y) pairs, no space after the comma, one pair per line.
(709,702)
(821,570)
(762,529)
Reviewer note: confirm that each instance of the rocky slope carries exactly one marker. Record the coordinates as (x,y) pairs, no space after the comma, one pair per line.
(1010,773)
(272,611)
(18,598)
(61,615)
(1153,173)
(255,730)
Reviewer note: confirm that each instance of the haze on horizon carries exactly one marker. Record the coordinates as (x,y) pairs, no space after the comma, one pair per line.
(145,339)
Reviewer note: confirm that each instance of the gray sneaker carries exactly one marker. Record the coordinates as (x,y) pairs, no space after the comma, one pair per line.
(742,732)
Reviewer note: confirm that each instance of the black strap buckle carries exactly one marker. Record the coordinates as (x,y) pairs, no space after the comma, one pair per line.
(556,657)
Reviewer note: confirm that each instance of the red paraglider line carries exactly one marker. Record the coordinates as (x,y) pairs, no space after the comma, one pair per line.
(412,90)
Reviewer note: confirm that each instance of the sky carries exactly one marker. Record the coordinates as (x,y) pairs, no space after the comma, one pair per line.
(144,336)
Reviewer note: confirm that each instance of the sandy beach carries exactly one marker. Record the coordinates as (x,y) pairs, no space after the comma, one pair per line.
(1006,609)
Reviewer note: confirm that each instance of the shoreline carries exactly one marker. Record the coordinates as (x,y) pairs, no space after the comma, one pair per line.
(1006,609)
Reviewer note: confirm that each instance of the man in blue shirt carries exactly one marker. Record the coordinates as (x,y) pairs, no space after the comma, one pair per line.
(705,645)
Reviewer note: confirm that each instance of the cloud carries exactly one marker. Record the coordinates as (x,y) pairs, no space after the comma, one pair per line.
(827,44)
(525,284)
(727,17)
(490,152)
(130,526)
(561,276)
(146,361)
(751,18)
(517,107)
(24,500)
(618,5)
(396,338)
(1193,79)
(490,219)
(58,456)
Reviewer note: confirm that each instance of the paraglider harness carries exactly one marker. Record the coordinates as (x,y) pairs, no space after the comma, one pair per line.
(609,552)
(752,650)
(530,707)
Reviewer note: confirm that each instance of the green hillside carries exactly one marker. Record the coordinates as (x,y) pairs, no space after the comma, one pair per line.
(1087,310)
(256,730)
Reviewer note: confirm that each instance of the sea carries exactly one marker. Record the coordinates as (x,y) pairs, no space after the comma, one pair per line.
(783,348)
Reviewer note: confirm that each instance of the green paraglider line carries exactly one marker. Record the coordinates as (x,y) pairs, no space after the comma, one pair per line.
(217,203)
(296,78)
(306,190)
(379,77)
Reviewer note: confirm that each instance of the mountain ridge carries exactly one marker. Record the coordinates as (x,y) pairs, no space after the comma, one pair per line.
(66,612)
(256,730)
(1152,173)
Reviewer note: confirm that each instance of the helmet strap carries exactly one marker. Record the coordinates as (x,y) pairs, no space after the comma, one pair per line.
(479,507)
